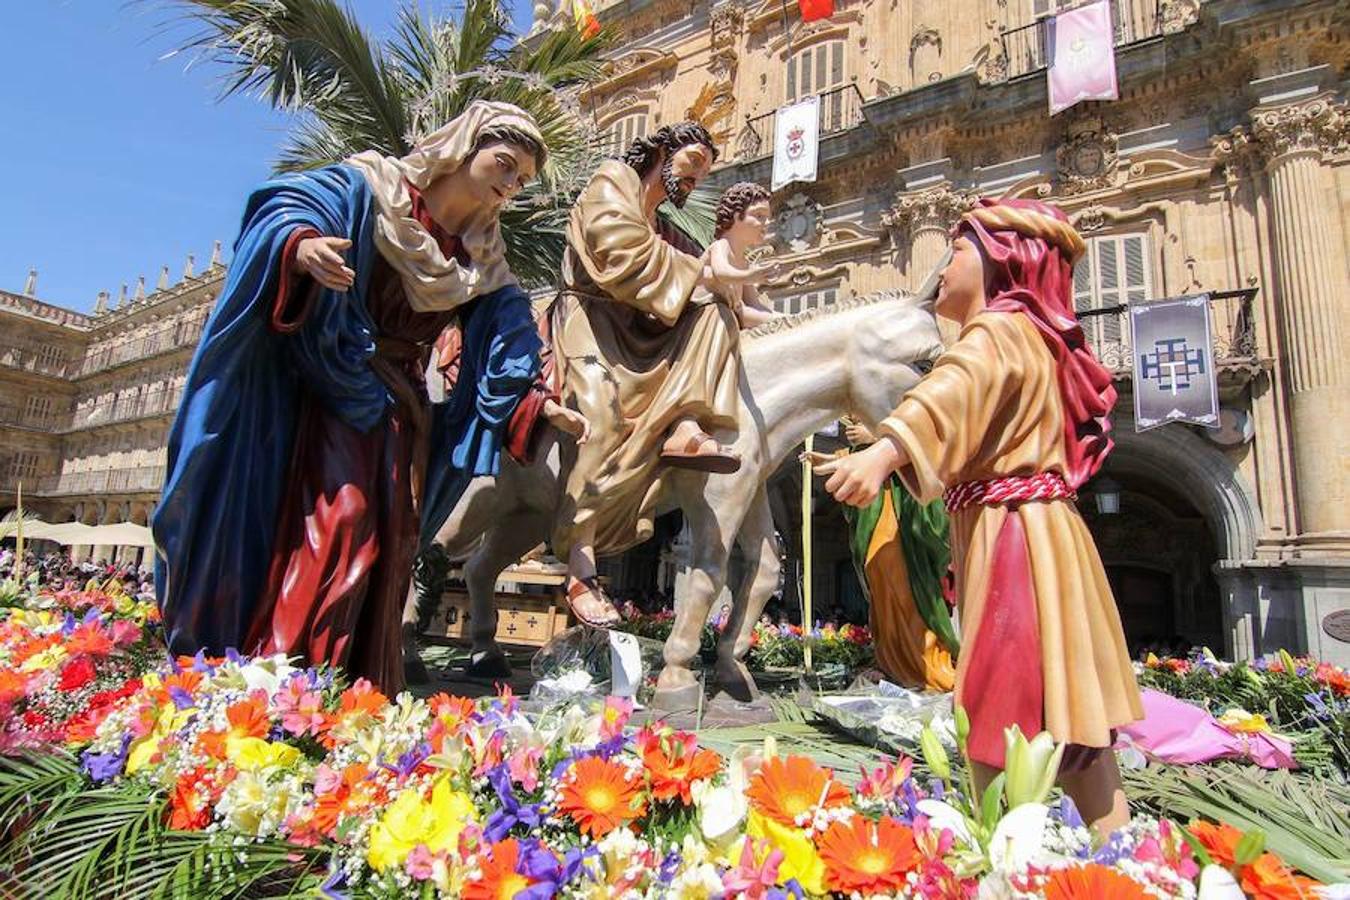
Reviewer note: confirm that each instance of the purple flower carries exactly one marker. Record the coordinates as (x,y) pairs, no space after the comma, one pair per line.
(910,796)
(67,625)
(106,766)
(669,867)
(331,888)
(511,812)
(936,789)
(539,864)
(180,697)
(408,762)
(1112,851)
(1068,813)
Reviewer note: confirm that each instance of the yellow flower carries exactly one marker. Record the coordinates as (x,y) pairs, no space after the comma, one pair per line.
(47,659)
(1238,720)
(170,719)
(800,859)
(252,754)
(411,820)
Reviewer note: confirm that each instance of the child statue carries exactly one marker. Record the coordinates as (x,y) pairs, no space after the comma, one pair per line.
(1006,428)
(742,221)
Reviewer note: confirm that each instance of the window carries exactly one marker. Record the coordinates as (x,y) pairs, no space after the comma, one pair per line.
(795,303)
(1042,8)
(37,410)
(51,357)
(819,69)
(622,132)
(23,465)
(1113,271)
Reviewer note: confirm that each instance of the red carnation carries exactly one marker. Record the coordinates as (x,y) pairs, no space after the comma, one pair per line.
(77,674)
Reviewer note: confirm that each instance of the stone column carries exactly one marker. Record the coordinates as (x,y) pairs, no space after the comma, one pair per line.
(924,220)
(1311,299)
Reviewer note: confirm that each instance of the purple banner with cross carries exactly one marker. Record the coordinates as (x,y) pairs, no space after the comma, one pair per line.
(1174,378)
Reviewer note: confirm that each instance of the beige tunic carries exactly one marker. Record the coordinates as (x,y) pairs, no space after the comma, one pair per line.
(636,353)
(991,407)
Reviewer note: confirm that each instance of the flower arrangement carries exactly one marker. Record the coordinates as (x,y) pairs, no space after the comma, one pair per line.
(1301,698)
(335,787)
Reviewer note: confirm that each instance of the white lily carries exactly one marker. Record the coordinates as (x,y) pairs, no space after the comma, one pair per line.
(1030,767)
(1019,837)
(721,812)
(1217,883)
(942,815)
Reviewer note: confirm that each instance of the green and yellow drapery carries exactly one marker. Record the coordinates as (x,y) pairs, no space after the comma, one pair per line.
(901,551)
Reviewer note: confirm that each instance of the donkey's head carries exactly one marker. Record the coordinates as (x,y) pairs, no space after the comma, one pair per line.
(890,347)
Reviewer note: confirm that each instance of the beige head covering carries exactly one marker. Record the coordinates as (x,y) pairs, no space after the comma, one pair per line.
(433,282)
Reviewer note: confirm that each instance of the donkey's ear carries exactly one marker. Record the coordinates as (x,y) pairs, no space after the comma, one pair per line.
(928,291)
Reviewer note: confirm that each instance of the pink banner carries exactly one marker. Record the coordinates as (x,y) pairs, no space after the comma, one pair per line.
(1082,56)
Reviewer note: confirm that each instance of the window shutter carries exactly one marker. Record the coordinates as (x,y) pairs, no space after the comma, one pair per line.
(792,79)
(1109,273)
(821,63)
(837,64)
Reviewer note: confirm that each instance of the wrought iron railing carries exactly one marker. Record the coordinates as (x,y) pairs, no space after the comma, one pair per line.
(1026,48)
(1234,331)
(840,108)
(24,418)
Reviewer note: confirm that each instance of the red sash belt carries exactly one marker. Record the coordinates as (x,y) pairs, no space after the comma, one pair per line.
(1008,489)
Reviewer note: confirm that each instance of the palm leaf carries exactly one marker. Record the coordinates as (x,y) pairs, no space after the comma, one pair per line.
(1303,817)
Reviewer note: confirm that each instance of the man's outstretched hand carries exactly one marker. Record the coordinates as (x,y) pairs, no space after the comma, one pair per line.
(568,420)
(856,479)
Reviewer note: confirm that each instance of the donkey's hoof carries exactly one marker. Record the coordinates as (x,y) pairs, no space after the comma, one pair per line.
(488,664)
(677,699)
(735,680)
(414,670)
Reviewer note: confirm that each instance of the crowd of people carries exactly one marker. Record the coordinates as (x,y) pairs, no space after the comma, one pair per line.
(58,570)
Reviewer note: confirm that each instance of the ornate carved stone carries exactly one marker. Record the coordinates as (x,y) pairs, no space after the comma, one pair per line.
(800,224)
(727,21)
(1178,15)
(1318,126)
(722,65)
(991,60)
(1232,153)
(933,209)
(1088,159)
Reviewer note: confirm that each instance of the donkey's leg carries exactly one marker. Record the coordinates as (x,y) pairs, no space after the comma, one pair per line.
(761,578)
(471,517)
(509,538)
(711,532)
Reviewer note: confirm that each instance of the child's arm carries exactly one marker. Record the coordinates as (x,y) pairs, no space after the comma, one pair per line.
(755,308)
(727,272)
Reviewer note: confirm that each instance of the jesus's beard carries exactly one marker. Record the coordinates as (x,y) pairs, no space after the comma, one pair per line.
(675,191)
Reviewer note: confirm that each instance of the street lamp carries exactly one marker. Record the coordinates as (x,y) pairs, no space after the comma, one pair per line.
(1107,494)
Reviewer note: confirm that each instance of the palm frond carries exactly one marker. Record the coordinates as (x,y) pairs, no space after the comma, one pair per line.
(698,217)
(1303,817)
(112,842)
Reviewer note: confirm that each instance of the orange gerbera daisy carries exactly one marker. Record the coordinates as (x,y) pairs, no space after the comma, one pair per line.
(360,699)
(449,710)
(499,879)
(868,857)
(674,762)
(13,685)
(190,803)
(785,788)
(1219,841)
(1270,879)
(351,793)
(600,796)
(1093,882)
(90,638)
(247,718)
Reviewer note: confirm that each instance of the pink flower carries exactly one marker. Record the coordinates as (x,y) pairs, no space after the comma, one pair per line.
(301,709)
(419,863)
(524,767)
(886,780)
(749,880)
(614,717)
(125,633)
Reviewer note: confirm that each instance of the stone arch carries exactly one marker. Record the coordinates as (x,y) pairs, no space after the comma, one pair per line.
(1195,469)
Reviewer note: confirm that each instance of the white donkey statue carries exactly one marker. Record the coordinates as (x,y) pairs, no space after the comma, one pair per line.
(799,373)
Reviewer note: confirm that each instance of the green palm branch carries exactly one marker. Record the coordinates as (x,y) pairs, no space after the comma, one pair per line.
(352,92)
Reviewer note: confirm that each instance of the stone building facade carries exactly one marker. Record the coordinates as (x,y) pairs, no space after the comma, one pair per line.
(86,400)
(1222,167)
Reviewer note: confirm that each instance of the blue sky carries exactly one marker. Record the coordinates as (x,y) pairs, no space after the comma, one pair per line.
(117,162)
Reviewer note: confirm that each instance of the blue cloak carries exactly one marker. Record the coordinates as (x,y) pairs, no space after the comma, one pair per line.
(230,447)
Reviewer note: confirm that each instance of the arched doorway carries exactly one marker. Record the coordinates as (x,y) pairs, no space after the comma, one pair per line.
(1183,510)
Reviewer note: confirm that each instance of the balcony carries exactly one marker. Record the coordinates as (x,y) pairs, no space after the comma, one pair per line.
(1234,332)
(105,481)
(1026,49)
(152,405)
(840,109)
(22,418)
(165,340)
(25,359)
